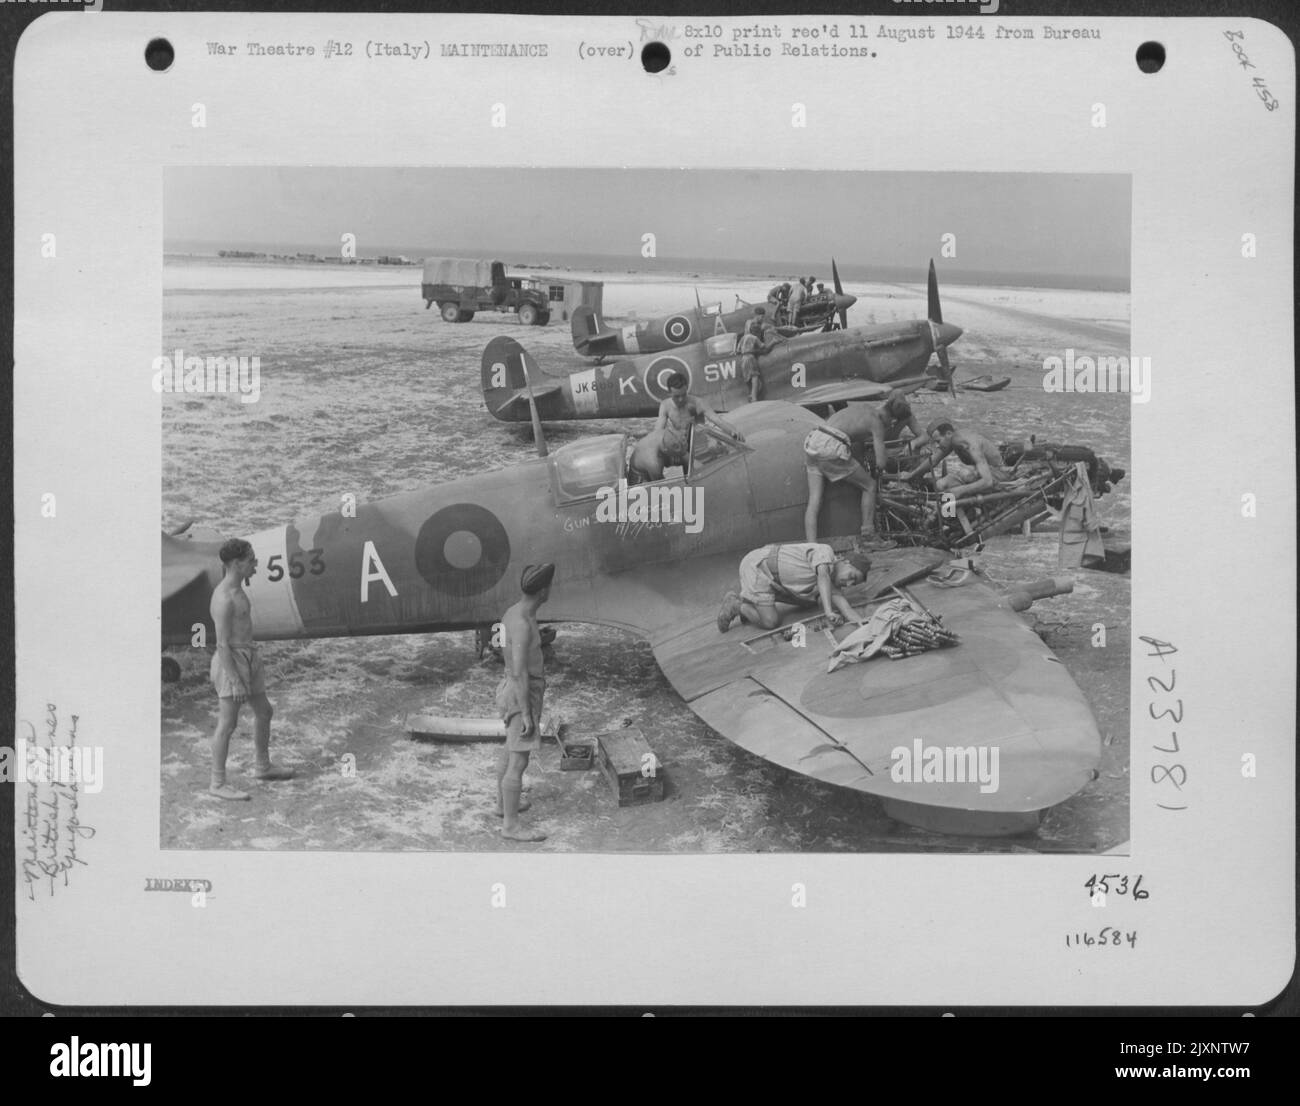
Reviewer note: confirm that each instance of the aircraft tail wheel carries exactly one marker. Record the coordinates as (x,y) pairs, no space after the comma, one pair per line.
(171,670)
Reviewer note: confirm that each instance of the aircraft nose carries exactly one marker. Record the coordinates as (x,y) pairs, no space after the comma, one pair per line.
(946,333)
(843,301)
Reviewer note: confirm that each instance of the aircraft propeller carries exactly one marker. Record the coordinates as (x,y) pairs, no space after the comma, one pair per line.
(842,302)
(941,333)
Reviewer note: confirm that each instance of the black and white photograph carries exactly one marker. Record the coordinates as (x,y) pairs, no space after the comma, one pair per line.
(653,512)
(794,516)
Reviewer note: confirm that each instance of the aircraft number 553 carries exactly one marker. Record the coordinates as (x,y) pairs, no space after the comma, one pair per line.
(275,567)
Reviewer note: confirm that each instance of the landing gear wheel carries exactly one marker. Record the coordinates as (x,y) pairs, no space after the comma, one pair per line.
(528,314)
(450,311)
(465,316)
(171,670)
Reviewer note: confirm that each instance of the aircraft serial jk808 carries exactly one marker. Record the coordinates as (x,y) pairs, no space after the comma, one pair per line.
(449,558)
(813,370)
(592,338)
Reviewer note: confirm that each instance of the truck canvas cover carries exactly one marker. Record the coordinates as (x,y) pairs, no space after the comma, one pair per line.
(458,272)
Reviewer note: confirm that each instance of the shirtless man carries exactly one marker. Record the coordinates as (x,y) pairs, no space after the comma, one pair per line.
(519,697)
(670,440)
(236,671)
(801,574)
(752,347)
(898,416)
(828,455)
(982,465)
(797,294)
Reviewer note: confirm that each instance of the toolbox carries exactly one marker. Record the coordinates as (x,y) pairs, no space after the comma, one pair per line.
(577,751)
(631,767)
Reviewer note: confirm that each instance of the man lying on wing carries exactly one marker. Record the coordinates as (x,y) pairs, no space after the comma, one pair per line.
(981,468)
(802,574)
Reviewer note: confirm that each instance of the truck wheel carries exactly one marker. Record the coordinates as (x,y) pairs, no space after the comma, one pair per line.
(450,311)
(527,314)
(465,316)
(543,318)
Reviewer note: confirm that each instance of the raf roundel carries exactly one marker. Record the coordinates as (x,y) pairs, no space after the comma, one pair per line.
(658,372)
(677,329)
(462,550)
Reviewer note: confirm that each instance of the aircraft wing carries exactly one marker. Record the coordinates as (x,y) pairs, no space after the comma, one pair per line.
(842,391)
(1001,688)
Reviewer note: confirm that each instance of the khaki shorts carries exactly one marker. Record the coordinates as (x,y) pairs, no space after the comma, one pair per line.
(757,586)
(248,663)
(513,716)
(826,454)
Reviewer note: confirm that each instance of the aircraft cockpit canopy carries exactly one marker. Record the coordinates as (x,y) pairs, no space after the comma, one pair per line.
(580,469)
(721,345)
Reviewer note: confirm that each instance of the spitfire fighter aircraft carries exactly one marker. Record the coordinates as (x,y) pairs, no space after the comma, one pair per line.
(592,338)
(813,370)
(655,560)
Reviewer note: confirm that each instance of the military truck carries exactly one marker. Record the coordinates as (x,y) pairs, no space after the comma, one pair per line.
(461,287)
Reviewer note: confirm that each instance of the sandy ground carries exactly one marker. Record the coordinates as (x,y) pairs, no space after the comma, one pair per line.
(364,391)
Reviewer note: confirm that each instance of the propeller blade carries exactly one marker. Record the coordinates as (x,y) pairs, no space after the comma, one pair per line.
(935,312)
(839,291)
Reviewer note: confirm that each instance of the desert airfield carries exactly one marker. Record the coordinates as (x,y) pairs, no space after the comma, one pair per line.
(364,391)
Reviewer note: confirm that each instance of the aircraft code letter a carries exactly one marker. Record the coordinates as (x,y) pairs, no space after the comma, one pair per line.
(369,558)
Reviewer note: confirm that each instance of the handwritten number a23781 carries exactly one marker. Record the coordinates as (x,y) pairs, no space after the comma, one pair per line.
(1166,773)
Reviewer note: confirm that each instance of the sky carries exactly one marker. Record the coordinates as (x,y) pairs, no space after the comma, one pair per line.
(1004,222)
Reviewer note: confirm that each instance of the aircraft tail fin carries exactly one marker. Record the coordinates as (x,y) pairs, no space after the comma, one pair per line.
(591,337)
(505,386)
(190,570)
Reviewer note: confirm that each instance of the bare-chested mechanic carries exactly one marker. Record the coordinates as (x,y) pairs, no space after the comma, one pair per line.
(981,469)
(828,455)
(519,698)
(670,440)
(237,673)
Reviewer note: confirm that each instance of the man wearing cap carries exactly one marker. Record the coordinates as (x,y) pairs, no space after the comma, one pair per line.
(981,468)
(828,455)
(519,697)
(802,574)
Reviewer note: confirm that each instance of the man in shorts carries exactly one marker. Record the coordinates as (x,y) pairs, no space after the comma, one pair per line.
(751,348)
(828,455)
(802,574)
(237,673)
(669,442)
(519,698)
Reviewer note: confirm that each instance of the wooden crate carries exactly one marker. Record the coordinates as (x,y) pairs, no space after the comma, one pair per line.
(624,758)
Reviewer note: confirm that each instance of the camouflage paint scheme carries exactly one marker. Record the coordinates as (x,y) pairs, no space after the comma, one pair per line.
(862,362)
(449,558)
(592,338)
